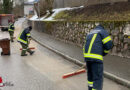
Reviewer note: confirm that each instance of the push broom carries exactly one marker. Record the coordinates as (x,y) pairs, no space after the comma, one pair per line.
(81,70)
(30,47)
(14,37)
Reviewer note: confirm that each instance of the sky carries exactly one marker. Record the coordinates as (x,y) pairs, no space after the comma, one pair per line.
(32,0)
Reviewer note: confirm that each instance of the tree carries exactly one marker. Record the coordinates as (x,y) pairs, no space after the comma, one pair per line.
(50,5)
(1,8)
(42,6)
(7,6)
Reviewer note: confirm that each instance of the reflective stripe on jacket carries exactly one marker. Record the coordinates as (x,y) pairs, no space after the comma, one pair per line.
(11,27)
(24,35)
(98,43)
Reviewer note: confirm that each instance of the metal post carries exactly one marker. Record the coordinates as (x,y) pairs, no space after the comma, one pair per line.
(39,9)
(63,4)
(39,14)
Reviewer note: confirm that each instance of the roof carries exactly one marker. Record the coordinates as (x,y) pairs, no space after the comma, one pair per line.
(6,14)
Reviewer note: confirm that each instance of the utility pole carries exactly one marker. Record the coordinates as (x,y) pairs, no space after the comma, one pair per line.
(63,4)
(38,9)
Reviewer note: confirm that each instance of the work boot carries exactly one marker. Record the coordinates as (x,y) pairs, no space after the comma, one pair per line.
(32,52)
(24,55)
(89,88)
(12,40)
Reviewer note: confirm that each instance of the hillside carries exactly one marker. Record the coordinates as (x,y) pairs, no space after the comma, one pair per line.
(118,12)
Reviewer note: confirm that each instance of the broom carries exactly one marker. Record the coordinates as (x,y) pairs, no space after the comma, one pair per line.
(30,47)
(81,70)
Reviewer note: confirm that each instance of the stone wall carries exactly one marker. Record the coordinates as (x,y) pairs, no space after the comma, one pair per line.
(75,32)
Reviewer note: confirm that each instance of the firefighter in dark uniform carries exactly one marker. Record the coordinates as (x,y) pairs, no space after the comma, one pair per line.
(98,43)
(11,29)
(24,39)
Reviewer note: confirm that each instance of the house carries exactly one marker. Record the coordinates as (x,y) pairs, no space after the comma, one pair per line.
(28,8)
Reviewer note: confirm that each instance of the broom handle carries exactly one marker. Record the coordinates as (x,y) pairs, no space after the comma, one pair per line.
(83,66)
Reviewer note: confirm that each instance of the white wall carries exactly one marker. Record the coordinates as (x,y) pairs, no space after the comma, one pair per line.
(27,8)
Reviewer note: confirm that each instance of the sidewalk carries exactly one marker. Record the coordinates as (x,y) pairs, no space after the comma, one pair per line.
(115,67)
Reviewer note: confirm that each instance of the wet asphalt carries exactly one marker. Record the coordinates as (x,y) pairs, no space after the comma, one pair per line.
(115,65)
(42,71)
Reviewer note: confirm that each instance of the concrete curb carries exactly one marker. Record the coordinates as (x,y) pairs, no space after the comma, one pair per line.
(106,74)
(117,79)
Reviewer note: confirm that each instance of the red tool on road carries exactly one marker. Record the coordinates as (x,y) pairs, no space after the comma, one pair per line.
(29,48)
(1,82)
(73,73)
(14,37)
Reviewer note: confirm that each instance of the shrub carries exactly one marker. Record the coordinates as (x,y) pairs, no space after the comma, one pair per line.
(43,6)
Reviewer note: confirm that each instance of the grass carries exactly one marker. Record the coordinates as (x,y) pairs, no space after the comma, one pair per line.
(105,12)
(62,15)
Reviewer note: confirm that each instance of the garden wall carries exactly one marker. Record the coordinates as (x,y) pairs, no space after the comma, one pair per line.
(75,32)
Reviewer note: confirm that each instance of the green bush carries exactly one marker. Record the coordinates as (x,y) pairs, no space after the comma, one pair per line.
(7,6)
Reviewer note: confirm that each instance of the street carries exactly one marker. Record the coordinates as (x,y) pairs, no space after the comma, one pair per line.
(42,71)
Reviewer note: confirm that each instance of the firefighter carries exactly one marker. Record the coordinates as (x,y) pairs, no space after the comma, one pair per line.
(98,43)
(11,29)
(24,39)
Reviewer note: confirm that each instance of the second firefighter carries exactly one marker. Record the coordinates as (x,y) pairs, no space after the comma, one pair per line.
(24,39)
(11,31)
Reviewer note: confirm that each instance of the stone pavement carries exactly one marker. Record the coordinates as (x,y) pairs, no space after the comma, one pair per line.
(116,68)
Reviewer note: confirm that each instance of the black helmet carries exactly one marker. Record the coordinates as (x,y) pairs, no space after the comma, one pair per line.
(30,28)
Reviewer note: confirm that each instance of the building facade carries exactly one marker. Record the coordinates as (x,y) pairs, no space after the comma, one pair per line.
(28,9)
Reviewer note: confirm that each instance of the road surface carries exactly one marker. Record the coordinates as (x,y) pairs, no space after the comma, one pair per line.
(42,71)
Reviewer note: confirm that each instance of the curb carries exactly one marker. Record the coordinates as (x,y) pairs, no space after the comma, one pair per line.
(115,78)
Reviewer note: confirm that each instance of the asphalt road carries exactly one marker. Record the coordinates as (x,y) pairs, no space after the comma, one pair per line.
(42,71)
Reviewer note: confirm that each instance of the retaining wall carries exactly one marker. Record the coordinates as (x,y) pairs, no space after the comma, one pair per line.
(75,32)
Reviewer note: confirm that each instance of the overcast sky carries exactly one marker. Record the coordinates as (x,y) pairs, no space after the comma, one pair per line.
(30,0)
(33,0)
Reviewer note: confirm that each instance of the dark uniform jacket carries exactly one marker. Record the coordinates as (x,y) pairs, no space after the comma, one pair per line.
(11,27)
(24,35)
(98,43)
